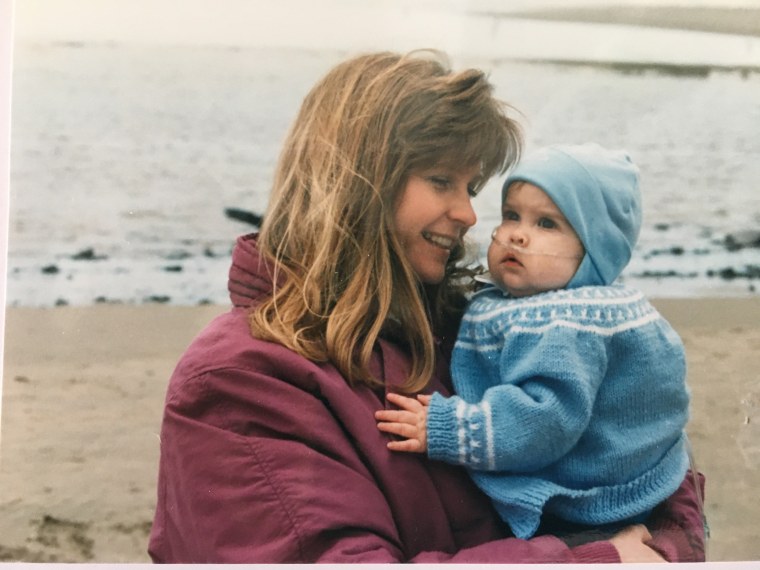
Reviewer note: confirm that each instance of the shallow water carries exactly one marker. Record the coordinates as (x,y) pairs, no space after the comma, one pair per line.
(124,158)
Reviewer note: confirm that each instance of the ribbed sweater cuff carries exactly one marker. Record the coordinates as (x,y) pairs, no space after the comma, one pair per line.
(599,552)
(442,429)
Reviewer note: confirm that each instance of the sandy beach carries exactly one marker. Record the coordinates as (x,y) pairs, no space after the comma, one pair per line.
(83,393)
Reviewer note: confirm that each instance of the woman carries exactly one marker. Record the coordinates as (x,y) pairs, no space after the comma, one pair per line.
(354,288)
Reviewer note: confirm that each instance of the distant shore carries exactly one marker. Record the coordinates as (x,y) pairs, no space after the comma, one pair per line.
(83,397)
(740,21)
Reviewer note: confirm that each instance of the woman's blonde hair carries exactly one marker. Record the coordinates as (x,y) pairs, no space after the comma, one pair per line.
(340,275)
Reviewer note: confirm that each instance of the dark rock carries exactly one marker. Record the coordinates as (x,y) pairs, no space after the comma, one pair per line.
(105,300)
(730,273)
(173,268)
(178,255)
(50,269)
(245,216)
(87,255)
(675,250)
(157,299)
(741,239)
(660,274)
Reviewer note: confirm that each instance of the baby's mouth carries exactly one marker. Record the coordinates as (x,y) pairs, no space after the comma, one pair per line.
(511,259)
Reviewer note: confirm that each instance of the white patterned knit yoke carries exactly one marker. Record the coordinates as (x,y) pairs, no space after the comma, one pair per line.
(572,390)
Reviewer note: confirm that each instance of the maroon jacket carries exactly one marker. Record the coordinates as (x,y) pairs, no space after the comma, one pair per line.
(268,457)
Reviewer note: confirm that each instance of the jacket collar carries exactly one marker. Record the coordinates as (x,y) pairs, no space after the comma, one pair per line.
(250,276)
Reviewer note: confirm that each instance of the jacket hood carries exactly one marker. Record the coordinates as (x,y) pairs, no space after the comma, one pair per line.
(597,190)
(250,276)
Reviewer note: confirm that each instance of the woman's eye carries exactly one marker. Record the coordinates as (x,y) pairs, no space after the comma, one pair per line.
(547,223)
(440,182)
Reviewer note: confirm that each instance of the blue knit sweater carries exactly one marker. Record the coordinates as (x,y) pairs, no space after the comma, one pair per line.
(572,401)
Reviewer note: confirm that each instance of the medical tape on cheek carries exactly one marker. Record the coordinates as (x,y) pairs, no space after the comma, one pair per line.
(526,251)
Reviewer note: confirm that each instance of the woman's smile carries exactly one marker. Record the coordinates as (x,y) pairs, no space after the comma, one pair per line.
(444,242)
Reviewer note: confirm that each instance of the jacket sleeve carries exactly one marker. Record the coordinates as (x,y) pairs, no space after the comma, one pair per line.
(678,525)
(537,412)
(270,485)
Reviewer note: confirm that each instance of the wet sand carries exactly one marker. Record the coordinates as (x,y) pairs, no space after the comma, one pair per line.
(83,395)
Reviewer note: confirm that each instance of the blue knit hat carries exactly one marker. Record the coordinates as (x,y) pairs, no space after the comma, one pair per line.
(597,190)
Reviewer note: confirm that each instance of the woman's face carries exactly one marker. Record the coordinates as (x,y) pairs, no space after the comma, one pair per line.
(432,213)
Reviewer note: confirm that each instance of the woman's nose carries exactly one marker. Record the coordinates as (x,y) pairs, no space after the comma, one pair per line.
(462,210)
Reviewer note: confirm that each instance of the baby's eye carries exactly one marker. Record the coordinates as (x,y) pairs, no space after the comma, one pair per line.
(510,215)
(547,223)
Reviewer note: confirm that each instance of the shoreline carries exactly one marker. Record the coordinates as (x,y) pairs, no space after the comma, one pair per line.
(484,24)
(742,21)
(83,392)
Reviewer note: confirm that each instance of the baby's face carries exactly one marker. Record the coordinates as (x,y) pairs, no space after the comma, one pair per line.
(534,249)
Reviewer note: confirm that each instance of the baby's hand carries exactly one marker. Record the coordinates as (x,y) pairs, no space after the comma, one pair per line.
(409,422)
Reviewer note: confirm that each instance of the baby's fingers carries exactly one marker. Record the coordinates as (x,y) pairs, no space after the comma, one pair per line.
(403,430)
(409,445)
(410,404)
(398,416)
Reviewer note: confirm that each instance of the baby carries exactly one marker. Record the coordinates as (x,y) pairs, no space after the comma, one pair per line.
(571,395)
